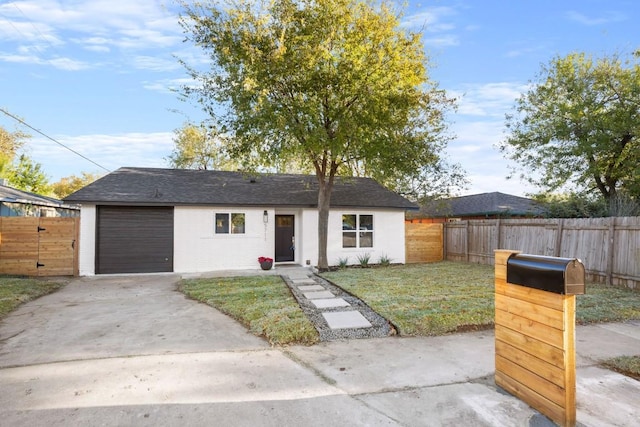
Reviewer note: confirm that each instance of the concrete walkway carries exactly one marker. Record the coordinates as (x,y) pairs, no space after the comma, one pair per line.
(131,350)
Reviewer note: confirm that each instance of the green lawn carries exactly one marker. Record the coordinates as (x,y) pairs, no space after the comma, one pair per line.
(264,304)
(425,299)
(15,291)
(445,297)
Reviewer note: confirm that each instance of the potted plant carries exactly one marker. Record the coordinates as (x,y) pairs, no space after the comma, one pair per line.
(265,262)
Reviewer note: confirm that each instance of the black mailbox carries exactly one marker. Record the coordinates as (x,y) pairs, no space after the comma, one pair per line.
(558,275)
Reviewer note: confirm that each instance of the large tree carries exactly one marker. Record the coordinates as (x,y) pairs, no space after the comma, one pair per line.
(10,143)
(70,184)
(26,174)
(334,83)
(200,147)
(579,125)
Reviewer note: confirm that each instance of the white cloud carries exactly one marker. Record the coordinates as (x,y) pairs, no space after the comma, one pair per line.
(168,85)
(153,63)
(109,151)
(433,23)
(97,26)
(605,18)
(449,40)
(60,63)
(488,99)
(430,19)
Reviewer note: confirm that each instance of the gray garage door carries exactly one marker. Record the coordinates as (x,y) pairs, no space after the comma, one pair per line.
(134,239)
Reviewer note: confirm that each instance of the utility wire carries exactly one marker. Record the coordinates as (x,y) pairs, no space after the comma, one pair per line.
(48,137)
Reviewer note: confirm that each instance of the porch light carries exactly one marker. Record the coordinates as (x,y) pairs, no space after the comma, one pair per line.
(265,217)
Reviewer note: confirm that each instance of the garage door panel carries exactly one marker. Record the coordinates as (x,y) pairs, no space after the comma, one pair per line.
(134,239)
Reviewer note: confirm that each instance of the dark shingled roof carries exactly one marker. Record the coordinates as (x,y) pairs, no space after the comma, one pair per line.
(13,195)
(148,186)
(491,204)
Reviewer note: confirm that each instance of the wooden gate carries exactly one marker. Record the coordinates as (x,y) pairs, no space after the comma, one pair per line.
(423,242)
(39,246)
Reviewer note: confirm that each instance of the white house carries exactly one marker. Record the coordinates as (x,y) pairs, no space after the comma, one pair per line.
(140,220)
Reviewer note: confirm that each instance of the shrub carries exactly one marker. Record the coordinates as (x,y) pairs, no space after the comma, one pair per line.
(385,260)
(364,259)
(343,262)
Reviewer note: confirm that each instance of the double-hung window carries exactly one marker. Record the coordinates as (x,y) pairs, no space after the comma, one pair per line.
(229,223)
(357,231)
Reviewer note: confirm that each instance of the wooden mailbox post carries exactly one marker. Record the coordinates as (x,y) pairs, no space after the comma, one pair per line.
(535,331)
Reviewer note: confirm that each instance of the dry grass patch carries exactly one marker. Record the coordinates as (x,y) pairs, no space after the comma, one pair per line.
(264,304)
(15,291)
(626,365)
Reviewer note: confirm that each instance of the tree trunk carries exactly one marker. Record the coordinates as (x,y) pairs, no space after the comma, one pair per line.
(324,201)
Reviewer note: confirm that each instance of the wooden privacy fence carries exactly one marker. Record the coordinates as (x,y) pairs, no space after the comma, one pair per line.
(423,242)
(39,246)
(608,247)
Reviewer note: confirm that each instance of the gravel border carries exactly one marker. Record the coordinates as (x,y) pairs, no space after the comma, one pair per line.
(380,328)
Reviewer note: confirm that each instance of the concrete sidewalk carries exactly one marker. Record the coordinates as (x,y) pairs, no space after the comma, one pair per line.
(133,351)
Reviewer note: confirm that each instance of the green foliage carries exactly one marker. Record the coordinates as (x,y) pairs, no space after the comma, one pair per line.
(70,184)
(335,84)
(28,175)
(575,205)
(384,261)
(572,205)
(201,147)
(11,142)
(363,259)
(264,304)
(343,262)
(579,125)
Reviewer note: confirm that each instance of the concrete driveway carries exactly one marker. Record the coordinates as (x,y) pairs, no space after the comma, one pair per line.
(131,350)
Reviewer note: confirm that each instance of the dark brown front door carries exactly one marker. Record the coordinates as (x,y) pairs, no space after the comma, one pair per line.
(285,240)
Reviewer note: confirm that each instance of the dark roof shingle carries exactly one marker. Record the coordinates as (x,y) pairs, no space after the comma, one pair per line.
(204,187)
(13,195)
(495,203)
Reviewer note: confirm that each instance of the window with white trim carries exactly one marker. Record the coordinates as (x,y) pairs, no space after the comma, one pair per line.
(229,223)
(357,231)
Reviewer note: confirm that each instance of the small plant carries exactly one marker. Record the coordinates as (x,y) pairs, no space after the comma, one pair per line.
(364,259)
(343,262)
(385,260)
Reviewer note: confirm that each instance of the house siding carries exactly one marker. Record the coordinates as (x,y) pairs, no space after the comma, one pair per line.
(87,256)
(388,237)
(198,249)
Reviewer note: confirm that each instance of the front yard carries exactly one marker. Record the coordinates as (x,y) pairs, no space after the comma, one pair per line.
(445,297)
(419,299)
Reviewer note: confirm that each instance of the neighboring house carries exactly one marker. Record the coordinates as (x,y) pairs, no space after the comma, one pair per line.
(15,202)
(138,220)
(477,206)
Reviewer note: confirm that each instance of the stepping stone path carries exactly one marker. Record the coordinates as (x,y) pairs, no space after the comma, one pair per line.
(335,313)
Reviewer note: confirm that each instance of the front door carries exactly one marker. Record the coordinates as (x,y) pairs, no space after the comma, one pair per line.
(285,250)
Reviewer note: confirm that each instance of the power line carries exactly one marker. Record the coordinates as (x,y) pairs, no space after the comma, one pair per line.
(50,138)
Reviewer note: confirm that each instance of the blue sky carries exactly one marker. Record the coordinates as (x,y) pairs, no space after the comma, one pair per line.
(97,75)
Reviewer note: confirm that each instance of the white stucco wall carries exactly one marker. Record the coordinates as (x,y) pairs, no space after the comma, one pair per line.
(87,252)
(197,248)
(388,237)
